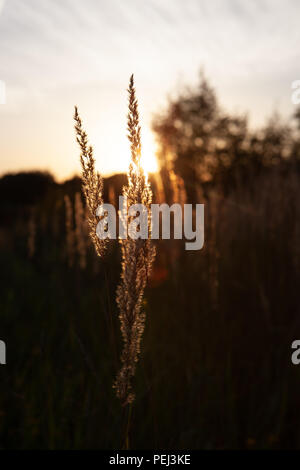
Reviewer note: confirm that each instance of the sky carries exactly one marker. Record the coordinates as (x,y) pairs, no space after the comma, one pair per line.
(58,53)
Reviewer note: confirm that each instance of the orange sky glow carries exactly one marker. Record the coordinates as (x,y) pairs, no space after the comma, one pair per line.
(60,53)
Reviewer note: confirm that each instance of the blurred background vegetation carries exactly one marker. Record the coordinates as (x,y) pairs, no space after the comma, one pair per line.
(215,370)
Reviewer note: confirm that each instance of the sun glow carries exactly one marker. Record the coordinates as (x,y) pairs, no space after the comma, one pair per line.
(148,158)
(105,144)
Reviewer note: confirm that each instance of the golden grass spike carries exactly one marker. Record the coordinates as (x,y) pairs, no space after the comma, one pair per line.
(92,183)
(137,259)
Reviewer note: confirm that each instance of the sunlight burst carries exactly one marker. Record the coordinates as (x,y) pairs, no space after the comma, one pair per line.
(148,158)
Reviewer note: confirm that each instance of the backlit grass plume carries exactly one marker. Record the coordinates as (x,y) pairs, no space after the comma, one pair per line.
(137,259)
(92,183)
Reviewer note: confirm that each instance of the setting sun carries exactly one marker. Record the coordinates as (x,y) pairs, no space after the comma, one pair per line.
(120,149)
(148,159)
